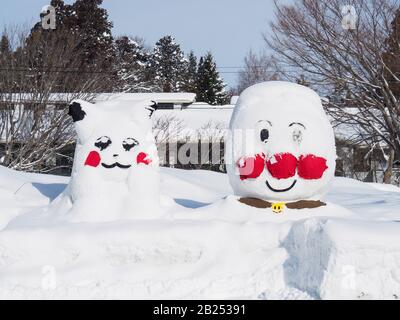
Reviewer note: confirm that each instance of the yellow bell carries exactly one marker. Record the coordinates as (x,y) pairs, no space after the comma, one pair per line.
(278,207)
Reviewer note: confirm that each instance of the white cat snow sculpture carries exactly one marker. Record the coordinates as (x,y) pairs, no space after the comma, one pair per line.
(280,147)
(115,170)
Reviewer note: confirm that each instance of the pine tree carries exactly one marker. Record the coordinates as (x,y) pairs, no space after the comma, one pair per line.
(6,61)
(210,87)
(190,73)
(88,23)
(5,47)
(65,15)
(131,63)
(168,64)
(94,28)
(83,28)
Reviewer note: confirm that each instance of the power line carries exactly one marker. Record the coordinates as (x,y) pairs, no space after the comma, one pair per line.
(232,70)
(54,71)
(252,72)
(243,67)
(111,72)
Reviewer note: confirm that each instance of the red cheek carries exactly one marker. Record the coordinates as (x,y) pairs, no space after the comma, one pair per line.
(142,158)
(311,167)
(251,167)
(93,159)
(282,166)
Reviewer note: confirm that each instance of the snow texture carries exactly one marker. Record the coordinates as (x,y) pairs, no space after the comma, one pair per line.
(207,245)
(294,125)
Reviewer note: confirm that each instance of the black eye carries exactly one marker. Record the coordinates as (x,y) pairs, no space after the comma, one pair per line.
(264,135)
(129,143)
(102,143)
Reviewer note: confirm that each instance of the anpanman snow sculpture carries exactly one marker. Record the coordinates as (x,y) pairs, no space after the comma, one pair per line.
(281,147)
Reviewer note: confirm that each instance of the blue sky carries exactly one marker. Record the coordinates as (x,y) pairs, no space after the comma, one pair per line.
(229,28)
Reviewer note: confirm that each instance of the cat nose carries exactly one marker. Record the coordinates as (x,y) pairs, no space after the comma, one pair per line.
(115,155)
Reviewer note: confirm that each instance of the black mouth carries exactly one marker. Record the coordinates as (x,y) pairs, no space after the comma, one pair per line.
(280,190)
(116,164)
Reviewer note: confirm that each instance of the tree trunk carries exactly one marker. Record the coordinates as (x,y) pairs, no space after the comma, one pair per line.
(387,176)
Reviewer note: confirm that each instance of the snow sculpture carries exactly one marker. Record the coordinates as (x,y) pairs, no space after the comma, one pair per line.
(280,147)
(115,171)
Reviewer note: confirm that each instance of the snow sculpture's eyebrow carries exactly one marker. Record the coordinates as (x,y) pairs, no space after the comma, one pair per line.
(101,138)
(298,123)
(269,122)
(102,142)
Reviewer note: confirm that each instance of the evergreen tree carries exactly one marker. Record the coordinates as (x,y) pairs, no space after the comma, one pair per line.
(88,23)
(168,65)
(5,47)
(190,73)
(91,22)
(83,28)
(131,63)
(6,61)
(65,16)
(210,87)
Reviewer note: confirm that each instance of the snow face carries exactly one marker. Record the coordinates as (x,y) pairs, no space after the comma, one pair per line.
(115,166)
(280,145)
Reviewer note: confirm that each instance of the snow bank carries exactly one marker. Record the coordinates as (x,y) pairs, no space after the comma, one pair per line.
(169,259)
(24,192)
(207,246)
(335,259)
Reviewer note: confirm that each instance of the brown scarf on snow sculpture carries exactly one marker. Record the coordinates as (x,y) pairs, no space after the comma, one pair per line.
(278,207)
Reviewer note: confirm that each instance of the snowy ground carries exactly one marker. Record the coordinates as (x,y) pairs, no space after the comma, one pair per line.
(207,246)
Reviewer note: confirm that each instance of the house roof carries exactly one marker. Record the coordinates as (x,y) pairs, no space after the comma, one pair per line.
(163,97)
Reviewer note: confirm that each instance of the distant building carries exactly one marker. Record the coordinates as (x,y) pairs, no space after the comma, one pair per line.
(164,100)
(200,125)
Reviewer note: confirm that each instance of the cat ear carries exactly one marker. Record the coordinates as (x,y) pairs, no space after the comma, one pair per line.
(152,106)
(142,110)
(84,116)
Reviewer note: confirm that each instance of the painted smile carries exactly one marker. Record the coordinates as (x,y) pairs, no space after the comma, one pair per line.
(116,164)
(280,190)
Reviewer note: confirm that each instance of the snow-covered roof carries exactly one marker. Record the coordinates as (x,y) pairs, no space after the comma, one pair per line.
(32,97)
(161,97)
(203,105)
